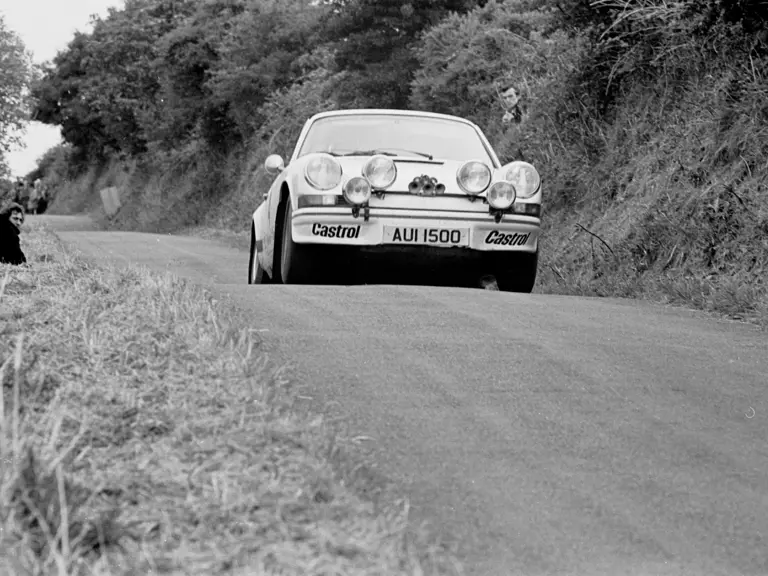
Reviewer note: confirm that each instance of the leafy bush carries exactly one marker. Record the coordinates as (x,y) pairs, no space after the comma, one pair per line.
(285,111)
(262,52)
(468,61)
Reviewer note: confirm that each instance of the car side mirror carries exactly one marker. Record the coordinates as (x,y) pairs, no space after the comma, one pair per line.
(274,164)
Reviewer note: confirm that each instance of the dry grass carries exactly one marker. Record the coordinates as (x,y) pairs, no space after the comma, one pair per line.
(143,431)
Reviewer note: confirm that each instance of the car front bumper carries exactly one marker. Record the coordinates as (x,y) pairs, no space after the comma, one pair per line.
(401,228)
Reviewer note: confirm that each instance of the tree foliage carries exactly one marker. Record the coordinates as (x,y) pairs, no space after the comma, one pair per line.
(16,74)
(102,89)
(261,54)
(373,40)
(466,61)
(163,76)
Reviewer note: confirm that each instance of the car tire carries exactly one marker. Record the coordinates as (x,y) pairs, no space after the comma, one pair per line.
(294,262)
(256,274)
(516,272)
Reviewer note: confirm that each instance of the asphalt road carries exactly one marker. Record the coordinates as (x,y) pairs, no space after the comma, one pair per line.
(550,435)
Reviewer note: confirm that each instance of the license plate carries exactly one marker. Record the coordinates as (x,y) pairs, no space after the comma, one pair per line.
(426,236)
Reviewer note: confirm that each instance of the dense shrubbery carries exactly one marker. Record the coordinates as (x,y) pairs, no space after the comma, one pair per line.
(157,75)
(160,76)
(647,118)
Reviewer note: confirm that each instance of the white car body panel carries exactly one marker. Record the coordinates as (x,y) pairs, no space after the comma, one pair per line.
(451,216)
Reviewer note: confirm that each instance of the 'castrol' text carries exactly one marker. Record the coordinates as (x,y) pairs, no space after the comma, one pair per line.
(502,239)
(338,231)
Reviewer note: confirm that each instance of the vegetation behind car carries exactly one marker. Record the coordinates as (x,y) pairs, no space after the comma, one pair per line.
(645,119)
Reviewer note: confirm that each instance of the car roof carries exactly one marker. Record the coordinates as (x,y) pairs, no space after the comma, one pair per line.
(413,113)
(371,111)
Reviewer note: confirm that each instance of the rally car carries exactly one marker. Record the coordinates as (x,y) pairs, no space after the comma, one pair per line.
(394,178)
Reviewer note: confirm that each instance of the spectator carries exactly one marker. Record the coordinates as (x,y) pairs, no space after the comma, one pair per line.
(42,202)
(17,190)
(35,197)
(11,219)
(22,193)
(510,102)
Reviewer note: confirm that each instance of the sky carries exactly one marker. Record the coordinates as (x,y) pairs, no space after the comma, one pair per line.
(46,27)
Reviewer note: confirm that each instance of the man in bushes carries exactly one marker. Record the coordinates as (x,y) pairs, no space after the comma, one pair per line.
(11,219)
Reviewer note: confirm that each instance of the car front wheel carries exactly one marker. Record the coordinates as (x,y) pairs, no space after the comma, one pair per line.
(295,263)
(516,272)
(256,274)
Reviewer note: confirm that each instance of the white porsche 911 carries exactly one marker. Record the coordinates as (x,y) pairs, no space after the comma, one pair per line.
(389,178)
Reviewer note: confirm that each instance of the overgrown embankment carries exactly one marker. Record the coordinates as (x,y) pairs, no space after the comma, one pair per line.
(206,194)
(142,430)
(648,121)
(663,192)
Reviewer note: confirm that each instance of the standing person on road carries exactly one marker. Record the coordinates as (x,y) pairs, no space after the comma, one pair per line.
(42,200)
(11,219)
(18,191)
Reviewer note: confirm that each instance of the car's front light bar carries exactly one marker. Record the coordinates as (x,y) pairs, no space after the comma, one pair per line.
(519,208)
(526,209)
(309,200)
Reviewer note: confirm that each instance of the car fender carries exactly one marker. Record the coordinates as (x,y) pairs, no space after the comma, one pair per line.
(272,204)
(290,177)
(297,183)
(293,178)
(265,220)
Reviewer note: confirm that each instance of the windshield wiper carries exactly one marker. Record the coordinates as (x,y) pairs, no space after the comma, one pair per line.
(365,153)
(384,151)
(423,154)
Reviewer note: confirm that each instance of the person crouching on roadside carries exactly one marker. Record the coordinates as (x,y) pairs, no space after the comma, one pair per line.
(11,219)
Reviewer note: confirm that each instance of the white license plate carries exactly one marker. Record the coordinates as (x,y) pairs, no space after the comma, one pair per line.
(426,236)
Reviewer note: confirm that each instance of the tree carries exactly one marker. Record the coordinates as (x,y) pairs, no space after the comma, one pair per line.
(373,41)
(16,74)
(61,100)
(102,90)
(265,50)
(121,77)
(187,55)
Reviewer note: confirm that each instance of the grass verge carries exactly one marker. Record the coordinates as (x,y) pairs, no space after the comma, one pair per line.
(143,431)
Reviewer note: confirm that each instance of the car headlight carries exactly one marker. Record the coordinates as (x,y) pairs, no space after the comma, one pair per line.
(380,171)
(501,195)
(323,172)
(524,177)
(474,177)
(357,190)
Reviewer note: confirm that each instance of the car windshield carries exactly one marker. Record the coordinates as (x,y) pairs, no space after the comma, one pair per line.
(392,134)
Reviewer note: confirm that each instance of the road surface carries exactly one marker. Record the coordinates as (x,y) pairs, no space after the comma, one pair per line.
(548,434)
